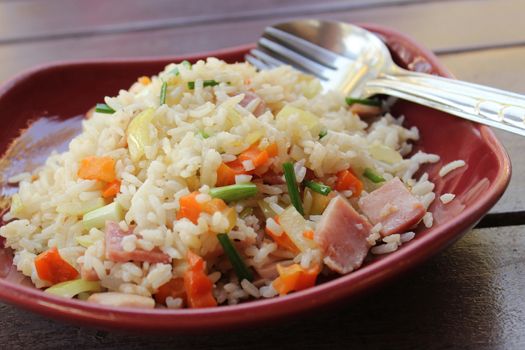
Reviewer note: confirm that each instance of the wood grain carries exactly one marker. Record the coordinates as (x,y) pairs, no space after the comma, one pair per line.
(468,297)
(424,21)
(110,16)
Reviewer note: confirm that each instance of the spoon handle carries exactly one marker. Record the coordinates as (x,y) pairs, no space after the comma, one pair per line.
(482,104)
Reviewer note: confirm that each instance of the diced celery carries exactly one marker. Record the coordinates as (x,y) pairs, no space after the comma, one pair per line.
(69,289)
(294,225)
(254,136)
(98,217)
(16,204)
(138,134)
(384,153)
(81,208)
(319,203)
(308,119)
(84,240)
(266,209)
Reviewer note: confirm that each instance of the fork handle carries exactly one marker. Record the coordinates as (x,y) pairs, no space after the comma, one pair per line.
(485,105)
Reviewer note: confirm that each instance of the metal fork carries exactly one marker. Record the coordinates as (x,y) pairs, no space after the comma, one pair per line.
(356,62)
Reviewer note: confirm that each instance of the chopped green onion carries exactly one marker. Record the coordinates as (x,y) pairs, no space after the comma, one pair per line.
(163,93)
(291,183)
(191,84)
(234,192)
(186,64)
(204,134)
(98,217)
(323,133)
(104,108)
(363,101)
(69,289)
(175,71)
(373,176)
(318,187)
(241,270)
(246,212)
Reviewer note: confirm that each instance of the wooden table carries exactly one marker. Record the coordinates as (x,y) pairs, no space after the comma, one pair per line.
(469,297)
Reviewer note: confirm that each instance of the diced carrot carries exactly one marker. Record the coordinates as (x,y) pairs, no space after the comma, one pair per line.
(308,234)
(346,180)
(225,175)
(144,80)
(189,207)
(197,284)
(253,153)
(216,204)
(97,168)
(272,150)
(173,288)
(294,278)
(52,268)
(282,240)
(195,261)
(199,289)
(111,189)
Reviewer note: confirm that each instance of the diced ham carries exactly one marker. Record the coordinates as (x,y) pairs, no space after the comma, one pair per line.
(269,271)
(342,235)
(393,206)
(363,110)
(115,252)
(122,300)
(272,178)
(248,98)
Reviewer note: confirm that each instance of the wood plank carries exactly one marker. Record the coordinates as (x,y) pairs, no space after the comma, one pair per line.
(501,69)
(110,16)
(419,21)
(468,297)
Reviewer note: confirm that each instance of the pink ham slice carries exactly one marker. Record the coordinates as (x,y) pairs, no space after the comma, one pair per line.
(115,252)
(342,235)
(249,97)
(393,206)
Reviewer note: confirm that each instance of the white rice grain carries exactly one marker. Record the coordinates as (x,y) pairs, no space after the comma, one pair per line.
(447,197)
(451,166)
(428,220)
(384,248)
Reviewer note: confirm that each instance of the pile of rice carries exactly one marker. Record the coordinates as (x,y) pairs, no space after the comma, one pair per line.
(182,160)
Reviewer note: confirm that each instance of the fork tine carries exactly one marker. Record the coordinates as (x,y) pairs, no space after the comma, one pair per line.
(257,63)
(295,59)
(268,60)
(316,52)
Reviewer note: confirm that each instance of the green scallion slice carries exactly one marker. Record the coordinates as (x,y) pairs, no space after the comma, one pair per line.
(291,183)
(204,134)
(163,93)
(323,133)
(373,176)
(234,192)
(205,83)
(104,108)
(318,187)
(186,64)
(239,266)
(363,101)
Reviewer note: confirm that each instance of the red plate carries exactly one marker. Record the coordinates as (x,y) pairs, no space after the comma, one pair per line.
(69,89)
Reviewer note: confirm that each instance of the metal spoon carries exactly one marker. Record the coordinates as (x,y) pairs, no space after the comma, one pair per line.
(357,63)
